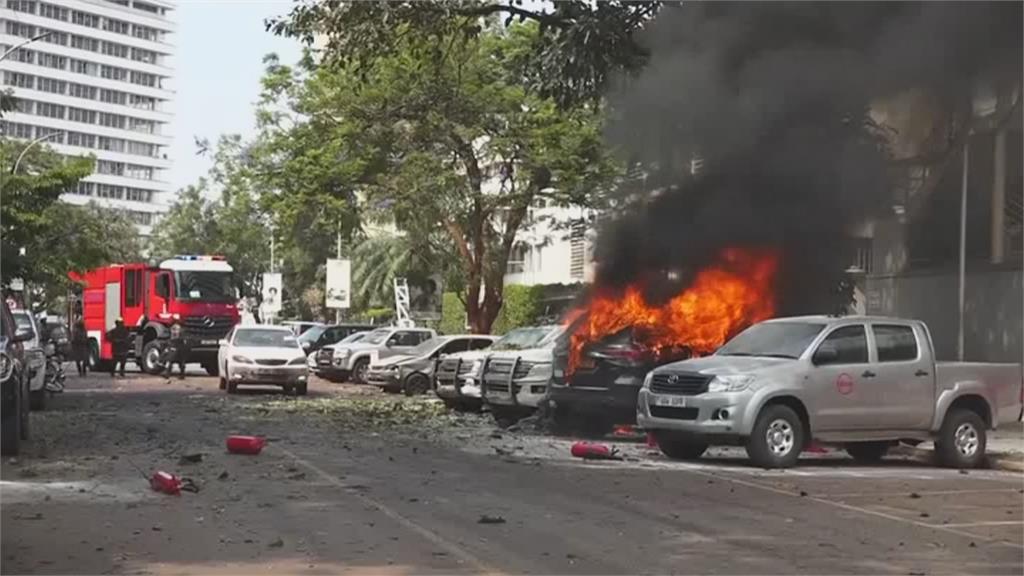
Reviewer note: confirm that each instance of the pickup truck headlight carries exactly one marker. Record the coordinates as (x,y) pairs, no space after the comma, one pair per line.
(730,383)
(240,359)
(541,370)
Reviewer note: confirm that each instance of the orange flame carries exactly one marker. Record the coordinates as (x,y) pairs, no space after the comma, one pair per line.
(723,299)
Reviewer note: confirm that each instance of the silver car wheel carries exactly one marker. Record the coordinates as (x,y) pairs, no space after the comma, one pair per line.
(779,437)
(966,440)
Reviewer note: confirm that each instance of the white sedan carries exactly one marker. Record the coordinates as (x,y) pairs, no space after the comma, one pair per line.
(263,355)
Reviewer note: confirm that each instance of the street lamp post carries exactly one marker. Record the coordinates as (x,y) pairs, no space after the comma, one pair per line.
(14,170)
(28,41)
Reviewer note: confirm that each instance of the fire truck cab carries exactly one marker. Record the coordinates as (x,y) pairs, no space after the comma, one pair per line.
(198,292)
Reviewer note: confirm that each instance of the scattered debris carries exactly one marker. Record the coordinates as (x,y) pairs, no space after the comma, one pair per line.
(157,528)
(223,475)
(36,516)
(964,472)
(191,458)
(496,435)
(298,476)
(276,543)
(488,519)
(972,545)
(414,500)
(915,495)
(924,515)
(803,493)
(28,473)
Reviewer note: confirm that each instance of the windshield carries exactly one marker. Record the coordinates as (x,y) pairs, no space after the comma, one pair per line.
(357,337)
(313,334)
(376,337)
(773,339)
(524,338)
(205,286)
(263,338)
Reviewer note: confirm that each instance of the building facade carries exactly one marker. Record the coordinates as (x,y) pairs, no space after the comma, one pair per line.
(95,82)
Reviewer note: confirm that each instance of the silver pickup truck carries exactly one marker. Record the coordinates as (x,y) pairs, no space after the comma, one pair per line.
(864,383)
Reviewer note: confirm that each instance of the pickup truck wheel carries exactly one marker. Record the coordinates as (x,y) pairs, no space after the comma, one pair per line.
(777,438)
(867,451)
(961,442)
(678,448)
(359,371)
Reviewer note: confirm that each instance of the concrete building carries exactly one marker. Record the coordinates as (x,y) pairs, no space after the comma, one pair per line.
(95,84)
(555,247)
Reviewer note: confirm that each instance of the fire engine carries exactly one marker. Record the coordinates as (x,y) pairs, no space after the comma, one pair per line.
(196,291)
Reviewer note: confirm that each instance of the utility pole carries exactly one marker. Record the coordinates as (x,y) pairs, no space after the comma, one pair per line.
(35,38)
(963,252)
(337,311)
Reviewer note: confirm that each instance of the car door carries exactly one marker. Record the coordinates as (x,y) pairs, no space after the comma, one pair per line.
(903,376)
(841,385)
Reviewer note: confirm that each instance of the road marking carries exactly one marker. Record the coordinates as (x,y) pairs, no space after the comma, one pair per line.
(923,492)
(996,523)
(851,508)
(426,533)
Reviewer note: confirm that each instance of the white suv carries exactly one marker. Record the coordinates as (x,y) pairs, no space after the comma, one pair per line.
(339,362)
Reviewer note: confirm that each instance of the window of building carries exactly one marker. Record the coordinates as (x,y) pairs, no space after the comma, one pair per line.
(143,102)
(115,49)
(24,106)
(82,140)
(109,191)
(146,33)
(143,78)
(28,6)
(54,37)
(108,167)
(84,67)
(517,258)
(19,29)
(141,148)
(138,195)
(895,343)
(113,96)
(82,91)
(84,189)
(53,61)
(118,26)
(141,218)
(577,249)
(52,135)
(83,116)
(16,130)
(85,19)
(53,11)
(140,125)
(142,55)
(85,43)
(113,73)
(51,85)
(20,55)
(146,7)
(50,110)
(111,144)
(112,120)
(138,172)
(20,80)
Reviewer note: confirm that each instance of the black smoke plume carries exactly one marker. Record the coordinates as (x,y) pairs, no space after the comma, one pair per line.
(774,100)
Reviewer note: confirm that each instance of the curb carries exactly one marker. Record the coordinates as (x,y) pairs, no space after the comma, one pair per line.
(1011,462)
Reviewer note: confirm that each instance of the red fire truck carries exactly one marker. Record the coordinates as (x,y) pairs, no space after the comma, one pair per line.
(196,291)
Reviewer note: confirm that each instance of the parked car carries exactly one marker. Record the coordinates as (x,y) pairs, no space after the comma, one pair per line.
(516,381)
(264,355)
(35,358)
(338,362)
(457,376)
(300,327)
(602,390)
(319,336)
(412,372)
(864,383)
(14,383)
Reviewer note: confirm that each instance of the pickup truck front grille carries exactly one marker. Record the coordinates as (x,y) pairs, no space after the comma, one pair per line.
(324,356)
(680,383)
(500,368)
(449,370)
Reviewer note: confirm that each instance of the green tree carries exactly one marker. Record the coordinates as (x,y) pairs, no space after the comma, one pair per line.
(579,47)
(455,150)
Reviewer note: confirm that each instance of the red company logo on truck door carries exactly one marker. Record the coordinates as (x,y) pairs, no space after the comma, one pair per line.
(844,384)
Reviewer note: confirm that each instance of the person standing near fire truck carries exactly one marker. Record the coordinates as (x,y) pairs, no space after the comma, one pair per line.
(176,351)
(120,342)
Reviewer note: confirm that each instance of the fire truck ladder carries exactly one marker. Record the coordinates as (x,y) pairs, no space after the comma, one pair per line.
(402,303)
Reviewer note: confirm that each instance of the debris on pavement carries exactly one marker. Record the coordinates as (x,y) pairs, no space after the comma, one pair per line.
(915,495)
(488,519)
(276,543)
(191,458)
(591,451)
(245,444)
(223,475)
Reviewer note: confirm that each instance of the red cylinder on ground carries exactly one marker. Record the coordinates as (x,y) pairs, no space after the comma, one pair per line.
(588,450)
(165,482)
(246,444)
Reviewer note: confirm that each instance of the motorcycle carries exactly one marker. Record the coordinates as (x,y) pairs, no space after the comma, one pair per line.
(54,379)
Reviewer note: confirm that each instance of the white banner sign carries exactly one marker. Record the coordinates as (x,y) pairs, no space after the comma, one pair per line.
(271,293)
(339,283)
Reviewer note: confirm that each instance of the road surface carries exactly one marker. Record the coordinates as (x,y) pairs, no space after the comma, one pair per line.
(353,481)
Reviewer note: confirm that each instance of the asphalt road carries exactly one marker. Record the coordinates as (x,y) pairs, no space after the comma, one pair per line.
(353,481)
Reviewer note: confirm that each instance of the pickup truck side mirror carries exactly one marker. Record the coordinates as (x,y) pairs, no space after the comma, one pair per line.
(826,354)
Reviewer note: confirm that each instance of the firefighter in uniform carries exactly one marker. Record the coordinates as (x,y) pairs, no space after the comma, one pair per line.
(176,351)
(120,343)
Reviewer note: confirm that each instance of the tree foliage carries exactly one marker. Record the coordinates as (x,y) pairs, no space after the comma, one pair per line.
(453,150)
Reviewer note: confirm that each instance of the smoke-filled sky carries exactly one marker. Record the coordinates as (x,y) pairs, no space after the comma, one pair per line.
(774,97)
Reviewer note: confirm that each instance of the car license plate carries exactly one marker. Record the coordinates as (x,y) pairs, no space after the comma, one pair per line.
(208,342)
(587,363)
(673,401)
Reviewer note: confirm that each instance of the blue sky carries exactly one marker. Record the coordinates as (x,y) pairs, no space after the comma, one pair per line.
(220,46)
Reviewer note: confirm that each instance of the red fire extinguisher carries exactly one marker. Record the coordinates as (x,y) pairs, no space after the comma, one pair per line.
(589,451)
(165,482)
(246,444)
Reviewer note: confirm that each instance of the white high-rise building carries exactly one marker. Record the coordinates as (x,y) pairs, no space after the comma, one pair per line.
(95,84)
